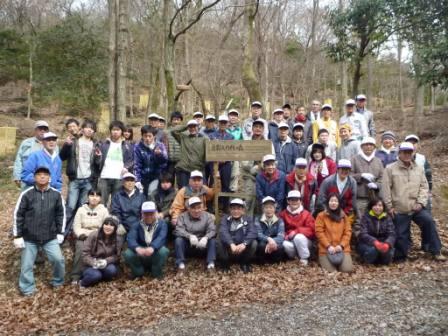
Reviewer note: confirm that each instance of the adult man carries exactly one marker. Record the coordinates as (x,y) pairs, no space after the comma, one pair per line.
(27,147)
(79,154)
(349,145)
(368,115)
(300,179)
(388,152)
(146,244)
(210,126)
(72,127)
(256,109)
(420,159)
(307,125)
(173,146)
(405,191)
(287,113)
(39,222)
(237,132)
(199,117)
(192,151)
(277,118)
(196,188)
(285,150)
(127,202)
(237,237)
(344,186)
(113,158)
(314,114)
(327,123)
(356,120)
(270,181)
(299,228)
(195,229)
(154,122)
(47,157)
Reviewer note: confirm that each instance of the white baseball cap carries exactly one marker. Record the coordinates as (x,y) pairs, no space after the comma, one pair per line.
(149,207)
(128,175)
(223,117)
(256,103)
(350,102)
(49,135)
(412,137)
(194,200)
(196,173)
(324,106)
(268,157)
(268,199)
(368,140)
(192,122)
(153,116)
(210,117)
(301,162)
(406,146)
(41,123)
(278,110)
(233,111)
(238,201)
(294,194)
(361,96)
(198,114)
(283,125)
(298,125)
(344,163)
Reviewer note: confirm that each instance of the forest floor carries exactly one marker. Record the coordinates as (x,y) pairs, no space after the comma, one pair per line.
(409,298)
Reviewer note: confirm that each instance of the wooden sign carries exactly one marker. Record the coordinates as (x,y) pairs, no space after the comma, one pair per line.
(237,150)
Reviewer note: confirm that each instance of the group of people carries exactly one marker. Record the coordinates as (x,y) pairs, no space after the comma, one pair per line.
(324,188)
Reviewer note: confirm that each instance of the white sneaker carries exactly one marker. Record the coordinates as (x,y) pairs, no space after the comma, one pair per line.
(181,266)
(304,262)
(211,266)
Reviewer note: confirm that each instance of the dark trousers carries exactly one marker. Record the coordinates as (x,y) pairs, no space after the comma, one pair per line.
(208,174)
(182,178)
(370,255)
(430,237)
(182,247)
(92,276)
(275,256)
(108,188)
(225,253)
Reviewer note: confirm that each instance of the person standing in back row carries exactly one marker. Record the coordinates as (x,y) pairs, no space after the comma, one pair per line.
(368,115)
(256,110)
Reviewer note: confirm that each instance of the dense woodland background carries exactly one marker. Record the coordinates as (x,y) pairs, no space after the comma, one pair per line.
(79,55)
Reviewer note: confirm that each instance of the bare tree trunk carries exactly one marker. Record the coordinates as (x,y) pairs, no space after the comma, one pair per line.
(369,92)
(112,58)
(433,98)
(400,76)
(249,79)
(356,77)
(30,78)
(122,51)
(313,44)
(420,94)
(344,80)
(131,78)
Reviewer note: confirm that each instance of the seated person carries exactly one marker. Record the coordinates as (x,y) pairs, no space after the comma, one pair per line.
(146,244)
(271,182)
(163,197)
(237,237)
(195,229)
(101,253)
(299,228)
(127,202)
(377,234)
(333,231)
(196,188)
(271,231)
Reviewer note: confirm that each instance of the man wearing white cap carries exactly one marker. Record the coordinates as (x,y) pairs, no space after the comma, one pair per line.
(270,182)
(196,188)
(199,117)
(356,120)
(300,179)
(368,115)
(256,109)
(210,126)
(271,231)
(47,157)
(326,122)
(285,151)
(299,228)
(342,185)
(146,244)
(367,170)
(154,121)
(237,237)
(192,151)
(27,147)
(277,118)
(236,131)
(195,229)
(405,191)
(127,202)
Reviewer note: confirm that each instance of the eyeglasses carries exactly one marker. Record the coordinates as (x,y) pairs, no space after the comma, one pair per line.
(92,214)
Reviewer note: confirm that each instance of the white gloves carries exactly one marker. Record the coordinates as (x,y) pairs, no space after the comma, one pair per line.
(99,263)
(203,243)
(60,238)
(193,240)
(19,243)
(372,185)
(369,177)
(139,186)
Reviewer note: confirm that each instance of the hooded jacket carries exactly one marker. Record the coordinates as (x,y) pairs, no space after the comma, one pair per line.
(148,165)
(374,227)
(274,187)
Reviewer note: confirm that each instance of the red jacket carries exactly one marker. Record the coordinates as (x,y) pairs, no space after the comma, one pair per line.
(332,168)
(302,223)
(309,188)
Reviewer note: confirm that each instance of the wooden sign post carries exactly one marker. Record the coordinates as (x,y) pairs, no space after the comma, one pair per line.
(234,150)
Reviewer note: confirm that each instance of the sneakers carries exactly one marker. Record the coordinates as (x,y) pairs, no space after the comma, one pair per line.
(439,257)
(303,262)
(75,282)
(211,267)
(181,267)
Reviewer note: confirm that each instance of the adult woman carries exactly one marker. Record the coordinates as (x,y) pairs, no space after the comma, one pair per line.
(128,134)
(320,166)
(101,253)
(377,234)
(333,233)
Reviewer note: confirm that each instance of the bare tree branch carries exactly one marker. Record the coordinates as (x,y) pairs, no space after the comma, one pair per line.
(184,5)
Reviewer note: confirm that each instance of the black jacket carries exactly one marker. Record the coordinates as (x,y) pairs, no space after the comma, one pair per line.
(69,152)
(245,233)
(128,156)
(39,215)
(127,209)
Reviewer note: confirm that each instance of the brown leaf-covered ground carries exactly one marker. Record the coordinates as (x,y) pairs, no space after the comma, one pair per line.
(123,305)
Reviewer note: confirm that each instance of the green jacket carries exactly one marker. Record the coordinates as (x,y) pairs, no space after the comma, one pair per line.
(192,149)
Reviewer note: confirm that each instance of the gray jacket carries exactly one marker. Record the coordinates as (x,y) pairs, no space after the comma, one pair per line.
(349,148)
(202,227)
(368,115)
(374,167)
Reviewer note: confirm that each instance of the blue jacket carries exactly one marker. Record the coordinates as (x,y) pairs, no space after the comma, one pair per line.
(276,231)
(148,165)
(136,237)
(245,233)
(42,158)
(127,209)
(286,155)
(385,158)
(273,131)
(301,148)
(274,188)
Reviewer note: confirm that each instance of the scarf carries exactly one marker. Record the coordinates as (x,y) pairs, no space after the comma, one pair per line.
(149,231)
(335,215)
(314,168)
(269,221)
(296,211)
(380,216)
(300,118)
(365,157)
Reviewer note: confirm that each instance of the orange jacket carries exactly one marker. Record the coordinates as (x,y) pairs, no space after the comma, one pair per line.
(179,204)
(332,233)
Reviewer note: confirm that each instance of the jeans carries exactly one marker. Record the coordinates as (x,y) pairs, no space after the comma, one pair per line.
(27,284)
(224,253)
(182,246)
(108,188)
(92,276)
(154,264)
(430,237)
(370,255)
(77,193)
(299,246)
